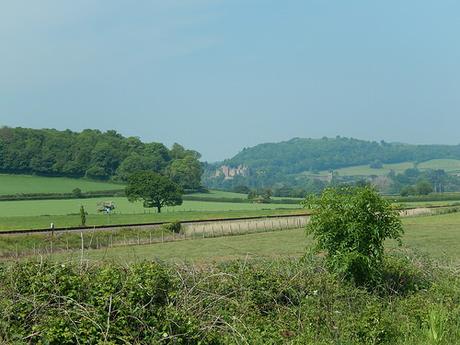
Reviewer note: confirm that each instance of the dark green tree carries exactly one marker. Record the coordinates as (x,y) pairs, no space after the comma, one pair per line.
(423,187)
(186,172)
(241,189)
(77,193)
(377,164)
(351,224)
(154,190)
(82,215)
(408,190)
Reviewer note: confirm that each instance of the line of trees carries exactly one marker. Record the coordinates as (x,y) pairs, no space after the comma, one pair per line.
(94,154)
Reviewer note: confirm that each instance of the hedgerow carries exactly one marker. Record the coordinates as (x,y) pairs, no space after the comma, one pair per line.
(257,302)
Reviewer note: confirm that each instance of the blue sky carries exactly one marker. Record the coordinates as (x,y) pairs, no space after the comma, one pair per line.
(220,75)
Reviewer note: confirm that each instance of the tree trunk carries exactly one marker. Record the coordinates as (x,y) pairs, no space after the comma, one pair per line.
(159,209)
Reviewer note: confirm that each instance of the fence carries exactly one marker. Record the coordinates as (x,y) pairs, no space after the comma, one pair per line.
(59,241)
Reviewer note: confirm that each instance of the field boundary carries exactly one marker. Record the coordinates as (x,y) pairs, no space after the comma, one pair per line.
(121,226)
(404,212)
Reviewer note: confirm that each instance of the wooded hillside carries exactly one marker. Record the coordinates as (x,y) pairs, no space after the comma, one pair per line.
(291,162)
(93,154)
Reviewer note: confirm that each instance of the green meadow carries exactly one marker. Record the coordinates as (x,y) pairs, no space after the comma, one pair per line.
(30,214)
(123,206)
(449,165)
(436,236)
(29,184)
(64,213)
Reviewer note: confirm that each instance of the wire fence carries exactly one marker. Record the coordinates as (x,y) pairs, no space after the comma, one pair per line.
(51,243)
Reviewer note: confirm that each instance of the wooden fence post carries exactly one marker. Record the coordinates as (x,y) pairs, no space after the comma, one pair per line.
(82,247)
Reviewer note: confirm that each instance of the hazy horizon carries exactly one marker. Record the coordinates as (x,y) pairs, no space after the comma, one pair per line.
(221,75)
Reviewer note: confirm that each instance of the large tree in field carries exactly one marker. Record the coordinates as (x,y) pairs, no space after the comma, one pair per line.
(154,190)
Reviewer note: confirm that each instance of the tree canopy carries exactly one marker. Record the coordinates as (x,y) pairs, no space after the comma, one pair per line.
(351,225)
(94,154)
(154,190)
(290,162)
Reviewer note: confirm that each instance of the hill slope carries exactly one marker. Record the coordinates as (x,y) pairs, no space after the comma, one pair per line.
(284,162)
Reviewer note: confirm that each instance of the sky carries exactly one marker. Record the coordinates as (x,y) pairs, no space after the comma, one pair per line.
(220,75)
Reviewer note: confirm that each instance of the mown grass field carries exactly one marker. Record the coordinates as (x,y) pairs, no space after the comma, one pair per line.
(449,165)
(438,236)
(123,206)
(219,194)
(38,222)
(28,184)
(30,214)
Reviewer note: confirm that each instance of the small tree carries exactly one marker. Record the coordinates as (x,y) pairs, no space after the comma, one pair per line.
(154,190)
(77,193)
(376,164)
(252,195)
(266,195)
(241,189)
(423,187)
(350,224)
(82,215)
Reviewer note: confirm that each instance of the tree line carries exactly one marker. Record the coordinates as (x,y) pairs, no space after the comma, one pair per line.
(288,167)
(94,154)
(300,155)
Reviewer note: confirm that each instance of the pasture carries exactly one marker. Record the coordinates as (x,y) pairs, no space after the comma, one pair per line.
(437,236)
(29,184)
(449,165)
(30,214)
(219,194)
(123,206)
(64,213)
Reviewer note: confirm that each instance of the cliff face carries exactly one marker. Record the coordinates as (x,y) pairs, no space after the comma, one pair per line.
(229,172)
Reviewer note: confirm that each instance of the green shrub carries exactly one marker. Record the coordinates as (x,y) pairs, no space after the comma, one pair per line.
(351,224)
(283,301)
(174,227)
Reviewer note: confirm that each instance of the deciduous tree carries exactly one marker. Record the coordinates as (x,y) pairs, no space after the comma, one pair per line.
(351,224)
(154,190)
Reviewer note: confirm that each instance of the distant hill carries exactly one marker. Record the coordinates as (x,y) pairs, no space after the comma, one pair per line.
(286,162)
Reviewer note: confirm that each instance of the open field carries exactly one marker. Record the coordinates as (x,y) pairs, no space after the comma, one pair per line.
(449,165)
(438,236)
(365,170)
(445,203)
(27,184)
(123,206)
(219,194)
(34,222)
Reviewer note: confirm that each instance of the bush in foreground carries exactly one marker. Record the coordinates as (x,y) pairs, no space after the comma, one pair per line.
(257,302)
(351,224)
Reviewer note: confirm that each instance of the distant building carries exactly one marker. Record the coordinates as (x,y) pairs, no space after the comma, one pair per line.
(229,172)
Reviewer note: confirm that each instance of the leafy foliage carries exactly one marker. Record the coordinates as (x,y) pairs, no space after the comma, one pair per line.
(351,225)
(274,165)
(93,154)
(173,227)
(82,215)
(240,302)
(154,190)
(297,155)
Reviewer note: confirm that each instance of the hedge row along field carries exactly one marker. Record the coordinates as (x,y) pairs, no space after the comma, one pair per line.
(256,302)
